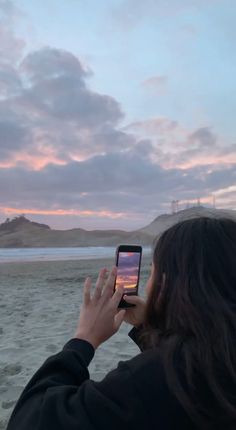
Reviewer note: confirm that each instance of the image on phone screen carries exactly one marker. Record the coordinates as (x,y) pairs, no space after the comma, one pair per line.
(128,271)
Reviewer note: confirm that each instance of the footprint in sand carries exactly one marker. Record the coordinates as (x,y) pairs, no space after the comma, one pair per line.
(12,369)
(3,390)
(3,424)
(51,348)
(25,314)
(8,404)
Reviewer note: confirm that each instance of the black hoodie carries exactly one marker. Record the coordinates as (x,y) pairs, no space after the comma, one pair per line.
(135,395)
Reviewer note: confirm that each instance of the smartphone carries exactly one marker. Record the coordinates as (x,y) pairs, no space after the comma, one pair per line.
(128,262)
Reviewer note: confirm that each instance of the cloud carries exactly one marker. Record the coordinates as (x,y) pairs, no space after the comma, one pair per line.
(226,196)
(62,115)
(11,46)
(48,63)
(130,13)
(223,191)
(203,137)
(8,10)
(64,149)
(13,137)
(60,212)
(156,84)
(57,88)
(48,112)
(111,182)
(10,82)
(154,126)
(176,146)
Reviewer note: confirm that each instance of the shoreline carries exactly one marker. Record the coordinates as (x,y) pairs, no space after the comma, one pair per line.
(31,255)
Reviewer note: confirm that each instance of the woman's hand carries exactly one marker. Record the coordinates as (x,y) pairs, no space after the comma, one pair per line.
(134,315)
(99,316)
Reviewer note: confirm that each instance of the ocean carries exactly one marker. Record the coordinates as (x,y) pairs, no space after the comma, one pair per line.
(14,255)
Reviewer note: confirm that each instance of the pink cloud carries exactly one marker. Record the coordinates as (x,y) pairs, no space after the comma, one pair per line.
(176,146)
(204,160)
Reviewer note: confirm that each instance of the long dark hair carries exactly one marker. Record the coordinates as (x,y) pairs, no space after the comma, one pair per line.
(191,315)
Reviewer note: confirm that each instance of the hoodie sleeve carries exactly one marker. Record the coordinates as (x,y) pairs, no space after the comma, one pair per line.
(134,335)
(60,396)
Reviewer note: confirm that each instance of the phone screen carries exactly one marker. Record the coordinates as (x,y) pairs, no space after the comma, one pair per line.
(128,271)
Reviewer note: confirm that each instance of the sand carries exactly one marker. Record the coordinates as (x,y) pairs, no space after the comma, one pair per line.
(39,311)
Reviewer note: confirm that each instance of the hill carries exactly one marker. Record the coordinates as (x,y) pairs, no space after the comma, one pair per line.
(162,222)
(21,232)
(19,223)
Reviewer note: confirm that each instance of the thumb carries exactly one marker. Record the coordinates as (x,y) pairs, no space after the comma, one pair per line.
(119,318)
(134,299)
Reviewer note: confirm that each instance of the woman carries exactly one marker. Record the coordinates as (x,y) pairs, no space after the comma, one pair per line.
(185,374)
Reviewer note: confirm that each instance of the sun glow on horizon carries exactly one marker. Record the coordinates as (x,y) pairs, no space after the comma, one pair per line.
(62,212)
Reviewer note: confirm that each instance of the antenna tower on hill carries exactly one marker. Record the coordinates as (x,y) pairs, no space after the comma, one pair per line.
(214,201)
(174,206)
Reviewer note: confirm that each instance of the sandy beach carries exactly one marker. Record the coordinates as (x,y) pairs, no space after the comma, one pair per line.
(39,310)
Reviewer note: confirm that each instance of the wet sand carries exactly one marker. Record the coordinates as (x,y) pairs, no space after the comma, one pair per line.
(39,309)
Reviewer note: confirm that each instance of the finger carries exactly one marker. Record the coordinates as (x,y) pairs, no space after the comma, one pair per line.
(110,283)
(87,287)
(100,283)
(133,299)
(117,296)
(119,318)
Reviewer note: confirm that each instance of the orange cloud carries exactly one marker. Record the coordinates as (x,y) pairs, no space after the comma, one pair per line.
(127,282)
(103,214)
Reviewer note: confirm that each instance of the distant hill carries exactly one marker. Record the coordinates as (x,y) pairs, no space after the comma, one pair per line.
(19,223)
(162,222)
(21,232)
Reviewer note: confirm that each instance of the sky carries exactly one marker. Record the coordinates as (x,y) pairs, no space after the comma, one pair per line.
(128,269)
(112,109)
